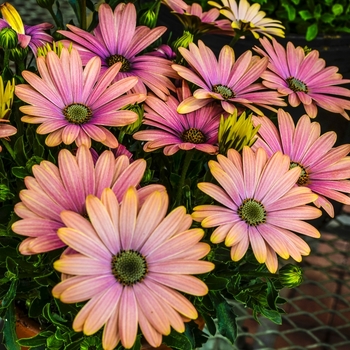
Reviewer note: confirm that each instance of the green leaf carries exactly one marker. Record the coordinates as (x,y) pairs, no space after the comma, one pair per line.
(209,323)
(20,172)
(317,11)
(295,2)
(337,9)
(20,150)
(9,330)
(327,18)
(10,294)
(291,11)
(37,340)
(227,325)
(177,341)
(305,15)
(11,266)
(311,32)
(272,295)
(216,283)
(272,315)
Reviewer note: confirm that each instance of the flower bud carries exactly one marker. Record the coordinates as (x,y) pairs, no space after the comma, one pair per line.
(18,54)
(184,40)
(45,4)
(236,132)
(132,128)
(290,276)
(148,18)
(8,39)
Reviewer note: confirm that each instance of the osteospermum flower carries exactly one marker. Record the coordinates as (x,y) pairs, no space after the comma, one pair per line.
(174,131)
(54,189)
(304,78)
(224,79)
(325,169)
(259,205)
(73,104)
(245,18)
(32,36)
(131,261)
(118,39)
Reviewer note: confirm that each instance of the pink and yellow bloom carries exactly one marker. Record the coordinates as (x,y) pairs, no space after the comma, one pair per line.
(131,262)
(32,36)
(53,189)
(73,104)
(174,131)
(118,39)
(259,205)
(304,78)
(230,81)
(247,18)
(325,169)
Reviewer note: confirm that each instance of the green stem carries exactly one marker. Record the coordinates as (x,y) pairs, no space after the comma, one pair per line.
(83,14)
(6,61)
(186,164)
(53,15)
(9,149)
(260,274)
(234,40)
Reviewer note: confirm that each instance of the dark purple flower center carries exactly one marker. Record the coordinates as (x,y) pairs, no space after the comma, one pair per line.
(129,267)
(304,176)
(224,91)
(77,113)
(296,85)
(252,212)
(119,58)
(193,135)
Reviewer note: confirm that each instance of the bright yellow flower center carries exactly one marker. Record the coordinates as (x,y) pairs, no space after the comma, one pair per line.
(129,267)
(297,85)
(77,113)
(252,212)
(224,91)
(304,176)
(119,58)
(193,135)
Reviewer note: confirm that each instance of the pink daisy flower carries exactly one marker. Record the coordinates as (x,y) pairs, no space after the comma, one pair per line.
(259,205)
(304,78)
(54,189)
(73,104)
(130,265)
(118,39)
(226,80)
(325,169)
(174,131)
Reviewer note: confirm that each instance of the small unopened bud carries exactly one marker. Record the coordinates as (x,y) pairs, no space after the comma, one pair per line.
(18,54)
(148,18)
(184,40)
(5,193)
(236,132)
(8,39)
(135,126)
(45,4)
(290,276)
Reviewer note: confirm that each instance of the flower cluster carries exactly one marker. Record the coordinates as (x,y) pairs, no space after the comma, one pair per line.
(147,181)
